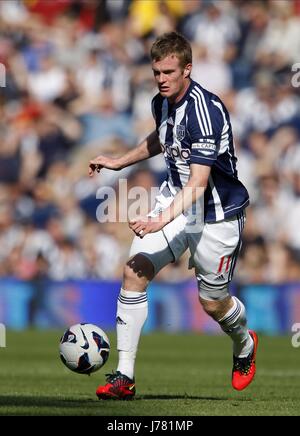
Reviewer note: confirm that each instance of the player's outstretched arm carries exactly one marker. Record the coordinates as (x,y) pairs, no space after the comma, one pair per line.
(148,148)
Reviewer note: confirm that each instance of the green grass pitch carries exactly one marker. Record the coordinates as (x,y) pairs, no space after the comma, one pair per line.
(179,375)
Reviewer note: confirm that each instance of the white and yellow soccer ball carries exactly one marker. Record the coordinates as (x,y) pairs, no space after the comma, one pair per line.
(84,348)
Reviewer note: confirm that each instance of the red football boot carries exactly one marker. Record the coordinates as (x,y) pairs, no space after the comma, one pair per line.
(244,368)
(118,387)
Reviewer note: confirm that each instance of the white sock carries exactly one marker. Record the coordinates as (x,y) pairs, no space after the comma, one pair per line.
(132,313)
(234,324)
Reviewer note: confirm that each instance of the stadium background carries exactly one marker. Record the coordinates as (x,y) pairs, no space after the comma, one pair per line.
(78,84)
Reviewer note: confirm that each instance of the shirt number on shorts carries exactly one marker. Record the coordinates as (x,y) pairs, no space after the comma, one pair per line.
(224,263)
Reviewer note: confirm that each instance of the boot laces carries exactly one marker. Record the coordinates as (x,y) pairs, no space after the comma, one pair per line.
(116,376)
(242,364)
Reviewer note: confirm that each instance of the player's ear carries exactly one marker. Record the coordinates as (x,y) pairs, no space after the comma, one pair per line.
(187,70)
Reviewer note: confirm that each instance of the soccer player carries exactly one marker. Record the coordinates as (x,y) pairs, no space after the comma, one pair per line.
(194,133)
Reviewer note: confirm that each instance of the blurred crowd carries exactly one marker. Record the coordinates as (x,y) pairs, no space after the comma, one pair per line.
(78,83)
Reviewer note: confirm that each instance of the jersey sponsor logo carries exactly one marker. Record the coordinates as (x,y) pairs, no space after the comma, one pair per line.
(174,152)
(204,146)
(180,132)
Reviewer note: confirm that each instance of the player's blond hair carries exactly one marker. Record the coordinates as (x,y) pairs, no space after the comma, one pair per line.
(172,43)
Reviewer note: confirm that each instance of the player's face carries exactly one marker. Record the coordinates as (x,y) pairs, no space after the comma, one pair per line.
(171,79)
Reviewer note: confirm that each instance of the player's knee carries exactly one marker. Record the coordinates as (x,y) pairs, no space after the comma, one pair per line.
(212,292)
(209,307)
(213,298)
(216,309)
(138,271)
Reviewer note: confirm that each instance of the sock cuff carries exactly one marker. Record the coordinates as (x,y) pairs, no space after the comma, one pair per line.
(233,314)
(131,294)
(133,300)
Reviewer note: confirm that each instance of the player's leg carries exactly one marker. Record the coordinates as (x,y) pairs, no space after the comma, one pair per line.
(214,256)
(132,310)
(230,313)
(147,257)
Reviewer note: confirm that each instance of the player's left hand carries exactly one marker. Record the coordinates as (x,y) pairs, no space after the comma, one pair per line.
(144,225)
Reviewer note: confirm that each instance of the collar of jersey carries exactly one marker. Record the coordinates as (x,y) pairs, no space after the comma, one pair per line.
(182,100)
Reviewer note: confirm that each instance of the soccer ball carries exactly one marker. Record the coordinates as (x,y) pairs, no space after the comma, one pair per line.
(84,348)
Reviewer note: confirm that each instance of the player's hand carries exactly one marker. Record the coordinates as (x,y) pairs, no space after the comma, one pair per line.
(103,162)
(144,225)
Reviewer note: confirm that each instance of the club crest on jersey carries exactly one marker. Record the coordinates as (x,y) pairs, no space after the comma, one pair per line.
(180,132)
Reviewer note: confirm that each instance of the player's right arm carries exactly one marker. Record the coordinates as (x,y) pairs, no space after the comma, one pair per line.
(148,148)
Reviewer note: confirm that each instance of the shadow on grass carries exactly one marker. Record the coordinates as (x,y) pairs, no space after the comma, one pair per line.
(44,401)
(187,397)
(40,401)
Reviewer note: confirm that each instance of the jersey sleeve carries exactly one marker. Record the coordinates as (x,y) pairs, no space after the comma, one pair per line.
(204,127)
